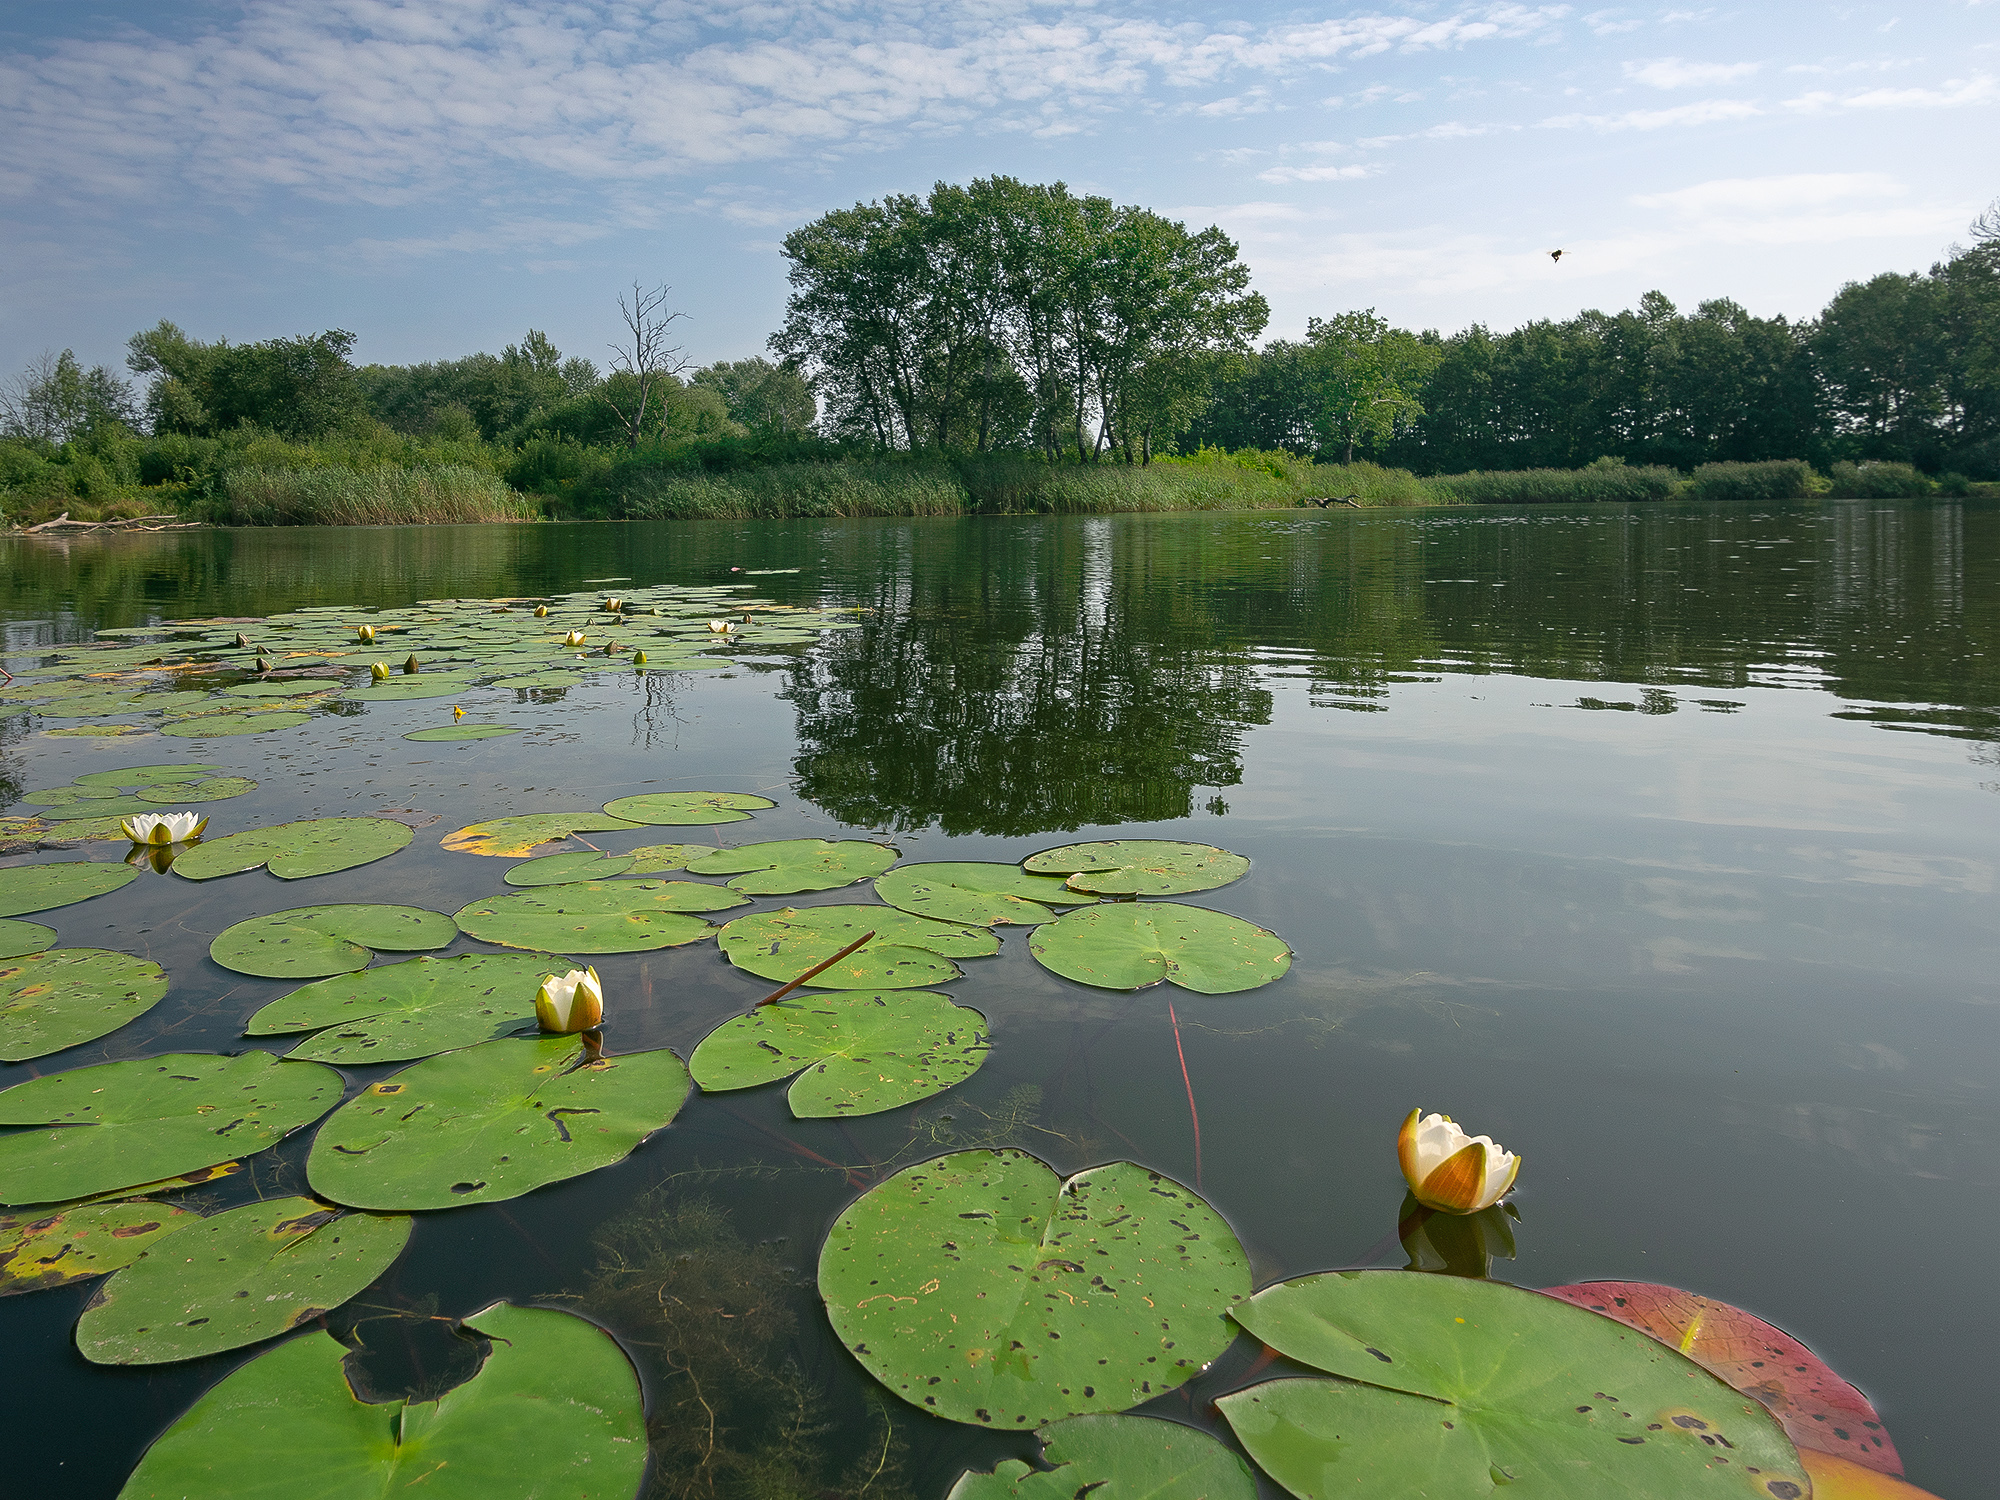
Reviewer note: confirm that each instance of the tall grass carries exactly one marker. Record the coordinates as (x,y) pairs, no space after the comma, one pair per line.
(842,490)
(1780,479)
(1599,482)
(335,495)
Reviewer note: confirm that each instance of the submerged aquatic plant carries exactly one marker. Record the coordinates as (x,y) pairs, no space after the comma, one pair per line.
(163,828)
(570,1002)
(1451,1171)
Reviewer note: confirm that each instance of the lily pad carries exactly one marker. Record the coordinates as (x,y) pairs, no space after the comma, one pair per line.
(212,789)
(862,1052)
(121,1124)
(1140,867)
(983,1288)
(147,775)
(403,690)
(675,808)
(985,895)
(510,838)
(652,859)
(452,732)
(1453,1386)
(1128,946)
(784,867)
(309,942)
(296,851)
(280,688)
(554,1411)
(907,953)
(1815,1406)
(1135,1456)
(20,938)
(79,1241)
(66,996)
(416,1008)
(26,888)
(568,869)
(237,1278)
(215,726)
(619,916)
(492,1122)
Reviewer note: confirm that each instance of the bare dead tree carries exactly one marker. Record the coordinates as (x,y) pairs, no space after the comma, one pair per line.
(1986,228)
(645,355)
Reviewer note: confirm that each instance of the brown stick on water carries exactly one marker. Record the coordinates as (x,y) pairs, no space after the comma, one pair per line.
(819,968)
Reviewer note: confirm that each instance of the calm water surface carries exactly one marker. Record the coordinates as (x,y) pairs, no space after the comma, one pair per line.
(1658,842)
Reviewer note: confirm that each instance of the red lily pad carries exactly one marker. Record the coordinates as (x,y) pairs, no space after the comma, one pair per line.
(1815,1406)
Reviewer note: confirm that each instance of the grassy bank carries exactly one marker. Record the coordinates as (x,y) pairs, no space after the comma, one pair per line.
(340,496)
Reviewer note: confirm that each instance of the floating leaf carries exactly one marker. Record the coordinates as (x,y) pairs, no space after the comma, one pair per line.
(652,859)
(218,725)
(98,731)
(568,869)
(908,953)
(511,838)
(309,942)
(554,1411)
(863,1052)
(147,775)
(276,688)
(26,888)
(66,996)
(1127,946)
(121,1124)
(1140,867)
(296,851)
(416,1008)
(74,1243)
(1835,1478)
(461,732)
(1492,1385)
(404,689)
(538,680)
(982,894)
(1815,1406)
(673,808)
(212,789)
(1136,1456)
(236,1278)
(619,916)
(784,867)
(492,1122)
(19,938)
(982,1287)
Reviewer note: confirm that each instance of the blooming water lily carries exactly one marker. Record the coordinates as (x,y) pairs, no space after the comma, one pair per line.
(163,828)
(574,638)
(722,627)
(570,1002)
(1449,1170)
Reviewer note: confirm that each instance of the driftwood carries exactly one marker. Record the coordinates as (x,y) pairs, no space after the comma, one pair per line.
(129,523)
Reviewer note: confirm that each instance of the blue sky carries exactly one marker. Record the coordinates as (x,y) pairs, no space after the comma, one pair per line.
(438,177)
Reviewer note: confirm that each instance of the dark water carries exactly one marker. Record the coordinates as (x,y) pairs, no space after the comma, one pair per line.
(1657,842)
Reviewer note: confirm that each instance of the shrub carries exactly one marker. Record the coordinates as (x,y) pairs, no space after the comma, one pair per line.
(1606,482)
(1878,481)
(1780,479)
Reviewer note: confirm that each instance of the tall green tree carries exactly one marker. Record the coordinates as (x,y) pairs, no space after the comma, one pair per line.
(1366,377)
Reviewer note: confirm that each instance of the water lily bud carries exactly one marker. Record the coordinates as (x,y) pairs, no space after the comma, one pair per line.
(574,638)
(571,1002)
(163,828)
(1451,1171)
(379,671)
(614,605)
(242,639)
(541,611)
(410,663)
(365,634)
(457,713)
(638,658)
(263,664)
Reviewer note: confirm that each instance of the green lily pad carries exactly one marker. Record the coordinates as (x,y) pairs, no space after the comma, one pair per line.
(510,838)
(212,789)
(26,888)
(403,690)
(535,680)
(907,953)
(1453,1386)
(296,851)
(981,894)
(568,869)
(618,916)
(98,731)
(492,1122)
(213,726)
(554,1411)
(237,1278)
(310,942)
(416,1008)
(862,1052)
(38,1251)
(147,775)
(675,808)
(20,938)
(90,808)
(784,867)
(983,1288)
(652,859)
(282,688)
(461,732)
(121,1124)
(1136,1456)
(1127,946)
(1140,867)
(66,996)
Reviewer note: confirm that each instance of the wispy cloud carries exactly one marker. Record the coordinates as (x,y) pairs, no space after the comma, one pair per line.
(1674,73)
(1954,93)
(1324,173)
(1702,112)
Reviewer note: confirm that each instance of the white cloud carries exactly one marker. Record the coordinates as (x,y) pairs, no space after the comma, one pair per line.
(1702,112)
(1673,73)
(1951,94)
(1316,174)
(1799,209)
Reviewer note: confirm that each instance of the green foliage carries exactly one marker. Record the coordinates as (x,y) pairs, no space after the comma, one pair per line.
(760,395)
(301,387)
(340,496)
(1778,479)
(481,395)
(1598,482)
(1878,481)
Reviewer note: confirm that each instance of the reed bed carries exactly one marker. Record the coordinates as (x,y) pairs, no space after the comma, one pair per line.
(335,495)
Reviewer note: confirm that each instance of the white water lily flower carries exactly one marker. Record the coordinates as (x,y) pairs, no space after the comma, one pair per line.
(1451,1171)
(722,627)
(163,828)
(574,638)
(571,1002)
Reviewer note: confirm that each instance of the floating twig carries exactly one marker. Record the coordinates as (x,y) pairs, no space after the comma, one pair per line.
(818,968)
(1189,1083)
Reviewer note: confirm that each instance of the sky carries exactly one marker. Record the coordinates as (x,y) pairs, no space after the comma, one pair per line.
(439,177)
